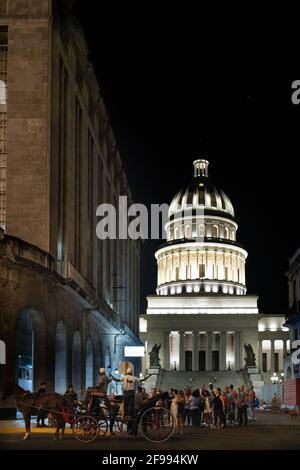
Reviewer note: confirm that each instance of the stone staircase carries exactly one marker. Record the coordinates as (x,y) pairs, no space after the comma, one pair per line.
(179,379)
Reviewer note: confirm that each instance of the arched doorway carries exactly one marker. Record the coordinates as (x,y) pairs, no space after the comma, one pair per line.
(25,350)
(76,362)
(60,358)
(89,363)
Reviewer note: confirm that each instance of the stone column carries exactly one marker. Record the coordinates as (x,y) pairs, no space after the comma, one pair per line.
(209,351)
(223,338)
(167,351)
(272,356)
(195,350)
(181,350)
(237,351)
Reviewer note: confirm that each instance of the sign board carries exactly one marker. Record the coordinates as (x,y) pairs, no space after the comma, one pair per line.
(134,351)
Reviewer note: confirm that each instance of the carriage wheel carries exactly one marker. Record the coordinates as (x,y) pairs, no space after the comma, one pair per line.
(157,424)
(102,426)
(85,428)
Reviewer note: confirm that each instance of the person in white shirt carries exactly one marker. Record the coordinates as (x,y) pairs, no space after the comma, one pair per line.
(129,381)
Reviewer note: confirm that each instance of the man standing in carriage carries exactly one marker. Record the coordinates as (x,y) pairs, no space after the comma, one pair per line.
(129,381)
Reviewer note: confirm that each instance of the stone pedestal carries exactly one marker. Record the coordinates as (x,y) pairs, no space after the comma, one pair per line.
(153,380)
(256,380)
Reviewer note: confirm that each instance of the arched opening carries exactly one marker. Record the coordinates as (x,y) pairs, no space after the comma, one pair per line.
(25,350)
(215,231)
(2,352)
(226,233)
(60,358)
(76,362)
(89,363)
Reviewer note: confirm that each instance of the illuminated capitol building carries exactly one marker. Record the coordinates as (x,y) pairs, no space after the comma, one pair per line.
(201,315)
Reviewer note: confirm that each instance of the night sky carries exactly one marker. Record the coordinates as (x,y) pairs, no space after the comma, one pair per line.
(171,100)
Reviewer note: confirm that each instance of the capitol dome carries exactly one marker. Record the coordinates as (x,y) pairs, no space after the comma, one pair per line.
(201,193)
(201,253)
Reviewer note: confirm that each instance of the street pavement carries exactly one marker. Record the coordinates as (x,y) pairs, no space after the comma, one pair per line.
(268,432)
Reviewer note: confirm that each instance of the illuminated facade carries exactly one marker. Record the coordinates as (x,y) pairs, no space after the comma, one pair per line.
(201,314)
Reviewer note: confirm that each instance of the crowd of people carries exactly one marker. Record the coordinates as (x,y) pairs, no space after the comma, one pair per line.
(211,407)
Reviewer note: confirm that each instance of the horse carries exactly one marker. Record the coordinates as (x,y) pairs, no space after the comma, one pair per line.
(30,403)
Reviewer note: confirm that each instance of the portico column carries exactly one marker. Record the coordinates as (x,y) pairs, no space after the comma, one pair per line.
(181,351)
(223,350)
(209,351)
(195,350)
(237,351)
(167,351)
(272,356)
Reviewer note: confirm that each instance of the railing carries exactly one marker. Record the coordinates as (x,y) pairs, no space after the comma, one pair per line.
(225,241)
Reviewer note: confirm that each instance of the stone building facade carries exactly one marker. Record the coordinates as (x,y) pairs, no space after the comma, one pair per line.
(69,302)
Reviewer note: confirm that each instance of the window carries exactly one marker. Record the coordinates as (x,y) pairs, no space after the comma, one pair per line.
(276,362)
(223,201)
(215,271)
(215,231)
(226,233)
(213,201)
(201,195)
(264,362)
(226,273)
(201,270)
(177,273)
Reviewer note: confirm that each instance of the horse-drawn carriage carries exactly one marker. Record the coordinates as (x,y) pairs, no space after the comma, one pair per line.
(154,421)
(90,421)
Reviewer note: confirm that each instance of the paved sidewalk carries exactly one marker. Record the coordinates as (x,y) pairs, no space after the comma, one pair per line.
(17,426)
